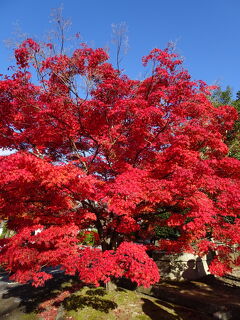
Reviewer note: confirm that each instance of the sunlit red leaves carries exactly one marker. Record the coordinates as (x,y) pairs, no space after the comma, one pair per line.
(129,260)
(33,187)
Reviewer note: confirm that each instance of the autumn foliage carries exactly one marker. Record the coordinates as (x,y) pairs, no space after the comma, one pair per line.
(114,156)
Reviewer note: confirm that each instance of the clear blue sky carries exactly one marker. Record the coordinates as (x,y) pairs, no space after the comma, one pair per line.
(207,32)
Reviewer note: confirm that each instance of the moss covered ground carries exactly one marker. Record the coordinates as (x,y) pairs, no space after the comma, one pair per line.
(122,304)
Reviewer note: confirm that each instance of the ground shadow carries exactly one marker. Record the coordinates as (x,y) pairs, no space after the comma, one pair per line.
(154,312)
(76,302)
(126,284)
(210,295)
(31,297)
(162,310)
(97,292)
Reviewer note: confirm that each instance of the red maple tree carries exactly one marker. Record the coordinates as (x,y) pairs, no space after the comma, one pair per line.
(113,157)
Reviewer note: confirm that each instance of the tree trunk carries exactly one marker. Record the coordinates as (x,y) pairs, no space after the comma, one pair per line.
(111,286)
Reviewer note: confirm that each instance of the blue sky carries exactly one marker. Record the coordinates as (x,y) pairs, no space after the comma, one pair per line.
(206,31)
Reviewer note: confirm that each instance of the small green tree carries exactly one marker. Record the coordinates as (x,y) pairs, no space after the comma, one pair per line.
(222,97)
(225,97)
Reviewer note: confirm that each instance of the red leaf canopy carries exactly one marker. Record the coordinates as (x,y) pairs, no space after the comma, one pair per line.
(96,150)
